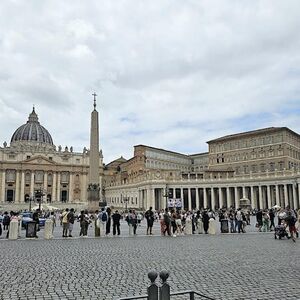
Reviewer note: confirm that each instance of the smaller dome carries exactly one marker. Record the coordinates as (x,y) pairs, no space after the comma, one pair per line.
(32,131)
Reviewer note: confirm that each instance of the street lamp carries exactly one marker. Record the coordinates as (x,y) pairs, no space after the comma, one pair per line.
(39,196)
(126,200)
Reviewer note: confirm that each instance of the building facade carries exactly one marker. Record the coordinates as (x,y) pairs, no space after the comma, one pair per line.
(32,162)
(260,165)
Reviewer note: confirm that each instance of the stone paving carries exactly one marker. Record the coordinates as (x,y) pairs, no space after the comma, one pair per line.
(227,266)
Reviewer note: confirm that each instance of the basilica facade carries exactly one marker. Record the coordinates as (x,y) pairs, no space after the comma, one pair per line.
(260,165)
(32,162)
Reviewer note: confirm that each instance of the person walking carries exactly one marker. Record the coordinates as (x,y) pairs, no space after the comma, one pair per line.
(259,219)
(149,215)
(205,220)
(116,217)
(103,220)
(129,220)
(134,221)
(239,218)
(108,222)
(65,222)
(272,217)
(71,219)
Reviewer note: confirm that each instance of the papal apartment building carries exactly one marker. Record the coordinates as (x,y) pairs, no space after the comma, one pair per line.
(260,165)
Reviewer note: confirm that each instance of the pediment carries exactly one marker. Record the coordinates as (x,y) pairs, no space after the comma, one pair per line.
(39,160)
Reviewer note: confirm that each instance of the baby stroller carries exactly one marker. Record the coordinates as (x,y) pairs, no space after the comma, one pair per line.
(280,232)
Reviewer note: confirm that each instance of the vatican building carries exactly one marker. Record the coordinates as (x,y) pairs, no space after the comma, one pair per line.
(261,166)
(33,163)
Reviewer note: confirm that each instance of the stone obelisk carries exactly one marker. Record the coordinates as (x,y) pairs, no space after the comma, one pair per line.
(94,178)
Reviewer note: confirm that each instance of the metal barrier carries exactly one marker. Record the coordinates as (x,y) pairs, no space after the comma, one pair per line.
(162,292)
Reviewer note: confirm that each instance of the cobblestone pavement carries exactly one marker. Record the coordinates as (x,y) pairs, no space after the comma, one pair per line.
(228,266)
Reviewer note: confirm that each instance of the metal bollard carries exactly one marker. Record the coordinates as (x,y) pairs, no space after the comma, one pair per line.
(164,290)
(153,288)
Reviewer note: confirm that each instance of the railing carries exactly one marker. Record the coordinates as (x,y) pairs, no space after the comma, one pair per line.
(162,292)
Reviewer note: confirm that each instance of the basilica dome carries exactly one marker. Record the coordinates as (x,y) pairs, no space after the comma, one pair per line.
(32,131)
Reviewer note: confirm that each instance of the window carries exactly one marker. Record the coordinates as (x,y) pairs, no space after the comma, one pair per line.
(11,156)
(28,156)
(50,158)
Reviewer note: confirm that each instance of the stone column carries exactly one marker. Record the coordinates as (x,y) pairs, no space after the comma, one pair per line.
(213,199)
(277,195)
(174,193)
(286,196)
(261,205)
(294,197)
(3,186)
(298,205)
(45,182)
(253,202)
(71,188)
(236,198)
(228,195)
(197,199)
(269,196)
(53,194)
(17,194)
(221,200)
(153,198)
(204,198)
(189,198)
(58,188)
(32,184)
(22,193)
(83,188)
(244,192)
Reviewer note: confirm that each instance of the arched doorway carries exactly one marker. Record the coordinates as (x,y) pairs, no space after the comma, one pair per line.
(49,198)
(10,195)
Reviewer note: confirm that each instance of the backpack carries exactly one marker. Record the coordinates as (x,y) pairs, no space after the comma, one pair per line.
(104,217)
(6,220)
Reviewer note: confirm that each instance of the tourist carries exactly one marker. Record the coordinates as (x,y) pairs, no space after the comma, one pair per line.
(205,220)
(129,220)
(272,217)
(231,221)
(173,222)
(116,217)
(167,223)
(259,220)
(53,219)
(6,221)
(65,222)
(239,218)
(71,219)
(103,217)
(134,221)
(149,215)
(84,223)
(178,221)
(108,222)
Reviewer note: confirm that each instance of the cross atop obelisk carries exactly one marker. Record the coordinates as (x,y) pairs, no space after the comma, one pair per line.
(95,95)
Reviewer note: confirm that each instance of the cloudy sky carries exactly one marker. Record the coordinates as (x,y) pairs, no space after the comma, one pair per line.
(170,74)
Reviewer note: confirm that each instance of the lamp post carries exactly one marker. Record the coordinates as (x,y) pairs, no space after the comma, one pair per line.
(126,200)
(39,197)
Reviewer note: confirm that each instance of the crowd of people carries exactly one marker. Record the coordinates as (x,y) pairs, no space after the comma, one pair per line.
(173,222)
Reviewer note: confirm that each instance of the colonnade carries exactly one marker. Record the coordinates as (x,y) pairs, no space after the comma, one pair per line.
(261,195)
(54,190)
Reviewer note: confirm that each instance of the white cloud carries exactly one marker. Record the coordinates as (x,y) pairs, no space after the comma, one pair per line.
(171,74)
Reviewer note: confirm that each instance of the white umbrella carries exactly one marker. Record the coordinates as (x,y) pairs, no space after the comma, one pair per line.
(276,206)
(50,207)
